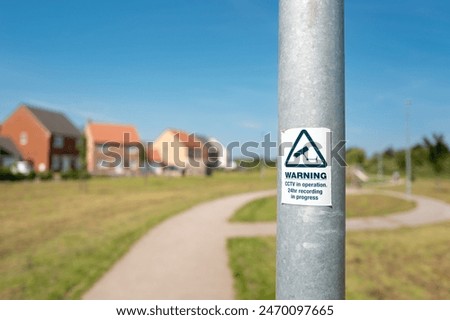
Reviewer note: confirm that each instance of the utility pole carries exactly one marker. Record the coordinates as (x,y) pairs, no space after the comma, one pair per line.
(408,185)
(311,239)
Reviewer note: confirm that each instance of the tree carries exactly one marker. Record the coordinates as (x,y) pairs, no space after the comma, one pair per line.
(400,160)
(438,152)
(356,156)
(82,149)
(389,153)
(419,155)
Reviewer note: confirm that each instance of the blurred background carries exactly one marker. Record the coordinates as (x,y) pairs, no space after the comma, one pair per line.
(200,75)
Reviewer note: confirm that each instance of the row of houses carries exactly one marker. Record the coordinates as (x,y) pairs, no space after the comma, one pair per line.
(49,141)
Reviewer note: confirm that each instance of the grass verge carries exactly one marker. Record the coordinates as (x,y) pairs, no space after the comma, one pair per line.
(362,205)
(252,262)
(400,264)
(58,238)
(438,189)
(264,209)
(368,205)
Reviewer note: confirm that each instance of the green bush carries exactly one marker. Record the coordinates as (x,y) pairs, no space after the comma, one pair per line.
(46,175)
(7,175)
(83,175)
(31,176)
(75,175)
(68,175)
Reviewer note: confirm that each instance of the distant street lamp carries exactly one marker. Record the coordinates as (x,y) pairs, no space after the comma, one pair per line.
(408,149)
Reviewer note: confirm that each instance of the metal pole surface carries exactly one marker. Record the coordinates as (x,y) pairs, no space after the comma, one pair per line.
(311,239)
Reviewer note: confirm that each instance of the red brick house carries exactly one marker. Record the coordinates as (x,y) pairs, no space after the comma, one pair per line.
(45,138)
(113,149)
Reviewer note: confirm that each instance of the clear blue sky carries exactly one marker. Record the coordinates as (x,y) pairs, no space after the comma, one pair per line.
(211,66)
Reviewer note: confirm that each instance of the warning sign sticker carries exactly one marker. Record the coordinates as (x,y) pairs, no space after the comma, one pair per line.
(305,172)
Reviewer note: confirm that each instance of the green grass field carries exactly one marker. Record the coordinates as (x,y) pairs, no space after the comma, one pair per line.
(401,264)
(410,263)
(252,261)
(429,188)
(57,238)
(361,205)
(264,209)
(369,205)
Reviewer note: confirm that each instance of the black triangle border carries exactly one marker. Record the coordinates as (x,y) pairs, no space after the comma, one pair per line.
(313,144)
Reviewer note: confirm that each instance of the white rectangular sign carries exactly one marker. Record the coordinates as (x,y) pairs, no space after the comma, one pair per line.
(306,166)
(223,309)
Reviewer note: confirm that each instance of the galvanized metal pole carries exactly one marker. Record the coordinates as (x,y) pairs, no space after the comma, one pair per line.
(311,239)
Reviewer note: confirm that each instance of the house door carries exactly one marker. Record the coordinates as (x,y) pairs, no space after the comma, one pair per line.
(66,163)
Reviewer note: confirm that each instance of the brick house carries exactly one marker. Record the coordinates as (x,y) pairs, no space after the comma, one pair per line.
(45,138)
(113,149)
(154,162)
(190,153)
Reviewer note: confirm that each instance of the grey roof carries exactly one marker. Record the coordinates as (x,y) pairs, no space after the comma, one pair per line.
(7,145)
(55,122)
(202,138)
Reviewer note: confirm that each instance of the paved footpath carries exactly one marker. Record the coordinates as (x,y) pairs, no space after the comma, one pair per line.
(427,211)
(186,257)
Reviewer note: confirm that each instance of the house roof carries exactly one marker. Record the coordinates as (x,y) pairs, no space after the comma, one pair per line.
(201,138)
(7,145)
(55,122)
(189,140)
(153,155)
(108,132)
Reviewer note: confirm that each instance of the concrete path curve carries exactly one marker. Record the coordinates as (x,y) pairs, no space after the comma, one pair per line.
(186,257)
(427,211)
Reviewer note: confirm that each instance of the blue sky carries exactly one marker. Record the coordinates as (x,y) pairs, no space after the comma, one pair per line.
(211,66)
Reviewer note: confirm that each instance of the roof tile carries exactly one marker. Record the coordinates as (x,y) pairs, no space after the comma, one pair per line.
(55,122)
(107,132)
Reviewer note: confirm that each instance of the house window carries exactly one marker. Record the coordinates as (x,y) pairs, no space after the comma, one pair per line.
(66,163)
(195,153)
(58,142)
(132,150)
(56,163)
(23,138)
(7,161)
(78,163)
(100,148)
